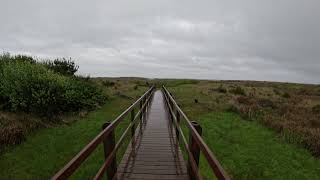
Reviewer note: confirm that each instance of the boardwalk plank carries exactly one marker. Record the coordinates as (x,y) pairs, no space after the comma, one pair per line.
(155,155)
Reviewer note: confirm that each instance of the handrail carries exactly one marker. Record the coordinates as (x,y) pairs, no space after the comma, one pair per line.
(107,162)
(209,156)
(77,160)
(185,144)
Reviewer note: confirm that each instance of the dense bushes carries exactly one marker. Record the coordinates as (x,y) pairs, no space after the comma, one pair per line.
(26,85)
(62,66)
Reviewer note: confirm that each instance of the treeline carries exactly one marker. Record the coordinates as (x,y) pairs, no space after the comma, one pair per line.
(45,88)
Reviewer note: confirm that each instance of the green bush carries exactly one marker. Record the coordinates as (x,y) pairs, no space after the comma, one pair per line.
(63,66)
(81,94)
(238,91)
(32,87)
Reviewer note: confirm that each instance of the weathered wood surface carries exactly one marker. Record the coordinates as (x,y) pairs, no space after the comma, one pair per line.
(154,154)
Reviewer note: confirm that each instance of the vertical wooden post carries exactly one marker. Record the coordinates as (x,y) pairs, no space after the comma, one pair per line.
(108,146)
(195,150)
(133,128)
(145,107)
(178,124)
(171,113)
(141,116)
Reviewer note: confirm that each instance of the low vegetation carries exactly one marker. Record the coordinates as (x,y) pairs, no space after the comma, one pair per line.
(257,131)
(44,90)
(248,150)
(58,144)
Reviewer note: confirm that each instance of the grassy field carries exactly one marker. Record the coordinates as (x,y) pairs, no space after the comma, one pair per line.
(47,150)
(236,125)
(247,148)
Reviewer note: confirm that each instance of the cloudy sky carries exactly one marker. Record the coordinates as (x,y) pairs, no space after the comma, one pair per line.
(277,40)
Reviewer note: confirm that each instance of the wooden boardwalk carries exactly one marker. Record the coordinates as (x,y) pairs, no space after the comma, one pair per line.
(154,154)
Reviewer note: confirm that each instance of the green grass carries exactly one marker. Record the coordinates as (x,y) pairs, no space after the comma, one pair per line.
(48,150)
(248,150)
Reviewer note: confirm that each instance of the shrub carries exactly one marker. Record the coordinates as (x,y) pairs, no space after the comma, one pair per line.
(238,91)
(63,66)
(79,95)
(6,57)
(30,87)
(221,89)
(23,58)
(34,88)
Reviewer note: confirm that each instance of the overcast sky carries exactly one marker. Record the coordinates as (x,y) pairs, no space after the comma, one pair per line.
(275,40)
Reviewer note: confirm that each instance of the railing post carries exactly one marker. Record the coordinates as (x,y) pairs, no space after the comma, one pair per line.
(145,107)
(141,115)
(133,128)
(178,124)
(108,146)
(195,150)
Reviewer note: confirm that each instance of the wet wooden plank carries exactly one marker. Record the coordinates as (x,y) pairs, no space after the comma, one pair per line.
(155,154)
(134,176)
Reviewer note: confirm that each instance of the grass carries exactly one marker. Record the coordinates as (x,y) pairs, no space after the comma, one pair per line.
(249,150)
(246,149)
(47,150)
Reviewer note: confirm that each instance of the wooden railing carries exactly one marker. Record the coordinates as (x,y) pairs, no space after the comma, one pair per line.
(107,137)
(196,143)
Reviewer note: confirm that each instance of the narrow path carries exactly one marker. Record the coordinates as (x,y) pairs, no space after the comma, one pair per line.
(155,155)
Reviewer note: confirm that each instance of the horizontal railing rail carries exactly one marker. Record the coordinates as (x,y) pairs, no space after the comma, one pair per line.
(196,143)
(106,136)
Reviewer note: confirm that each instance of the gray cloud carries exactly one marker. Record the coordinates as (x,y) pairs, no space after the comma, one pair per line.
(255,40)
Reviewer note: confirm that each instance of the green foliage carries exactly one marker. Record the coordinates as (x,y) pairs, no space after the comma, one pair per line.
(32,87)
(238,91)
(80,94)
(59,144)
(23,58)
(6,57)
(63,66)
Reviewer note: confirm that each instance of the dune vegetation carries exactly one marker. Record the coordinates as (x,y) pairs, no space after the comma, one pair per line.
(258,130)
